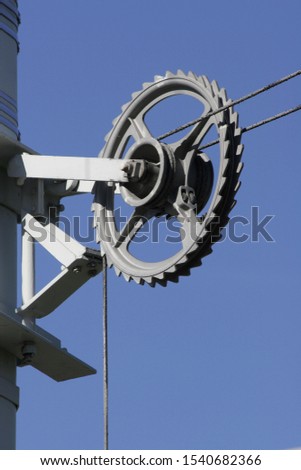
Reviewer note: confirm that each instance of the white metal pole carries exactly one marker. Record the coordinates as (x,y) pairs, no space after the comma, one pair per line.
(9,393)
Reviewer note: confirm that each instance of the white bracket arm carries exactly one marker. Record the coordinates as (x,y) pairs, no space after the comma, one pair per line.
(79,265)
(67,168)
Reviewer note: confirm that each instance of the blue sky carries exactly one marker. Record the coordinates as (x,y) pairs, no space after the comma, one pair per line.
(212,362)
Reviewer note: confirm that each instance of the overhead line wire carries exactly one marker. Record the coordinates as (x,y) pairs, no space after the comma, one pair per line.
(105,354)
(231,104)
(257,124)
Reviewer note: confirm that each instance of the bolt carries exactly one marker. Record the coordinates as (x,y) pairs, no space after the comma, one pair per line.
(28,352)
(184,196)
(76,270)
(192,197)
(128,167)
(92,264)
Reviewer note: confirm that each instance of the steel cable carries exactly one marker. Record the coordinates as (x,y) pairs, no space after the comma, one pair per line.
(231,104)
(257,124)
(105,355)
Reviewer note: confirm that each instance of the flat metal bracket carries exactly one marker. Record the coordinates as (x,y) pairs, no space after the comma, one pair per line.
(50,358)
(67,168)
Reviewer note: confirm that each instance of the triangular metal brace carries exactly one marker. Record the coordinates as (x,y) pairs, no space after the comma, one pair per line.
(79,264)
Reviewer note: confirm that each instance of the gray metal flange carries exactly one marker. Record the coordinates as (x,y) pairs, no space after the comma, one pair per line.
(173,180)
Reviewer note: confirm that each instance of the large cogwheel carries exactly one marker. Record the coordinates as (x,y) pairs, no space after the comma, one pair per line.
(175,180)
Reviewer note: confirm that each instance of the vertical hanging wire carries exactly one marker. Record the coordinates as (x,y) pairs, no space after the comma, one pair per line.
(105,356)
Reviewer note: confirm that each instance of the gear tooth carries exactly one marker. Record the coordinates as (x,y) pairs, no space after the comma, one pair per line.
(114,122)
(238,185)
(200,79)
(125,106)
(135,94)
(180,73)
(206,81)
(195,263)
(158,78)
(223,95)
(239,168)
(107,136)
(138,280)
(183,260)
(222,132)
(233,204)
(237,133)
(117,270)
(109,260)
(169,74)
(192,75)
(215,87)
(237,139)
(160,276)
(162,282)
(146,85)
(228,102)
(172,269)
(127,277)
(192,249)
(208,252)
(234,120)
(239,151)
(150,281)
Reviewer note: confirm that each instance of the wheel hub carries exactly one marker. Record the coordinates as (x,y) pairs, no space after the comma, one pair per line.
(156,174)
(151,167)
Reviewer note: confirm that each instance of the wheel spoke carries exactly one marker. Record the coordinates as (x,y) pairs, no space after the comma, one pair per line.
(139,129)
(135,222)
(190,227)
(193,138)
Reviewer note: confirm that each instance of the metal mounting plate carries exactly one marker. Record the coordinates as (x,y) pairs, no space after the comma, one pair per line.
(51,358)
